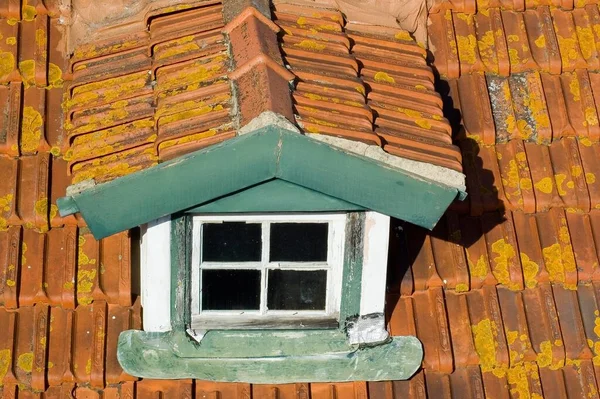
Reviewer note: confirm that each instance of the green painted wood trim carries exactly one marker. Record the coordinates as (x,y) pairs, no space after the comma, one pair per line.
(261,343)
(180,275)
(151,355)
(276,196)
(179,184)
(353,262)
(360,180)
(67,206)
(251,159)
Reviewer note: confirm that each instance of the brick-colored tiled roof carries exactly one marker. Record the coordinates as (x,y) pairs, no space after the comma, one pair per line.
(504,294)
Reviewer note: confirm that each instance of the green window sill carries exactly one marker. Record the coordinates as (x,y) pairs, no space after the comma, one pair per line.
(267,357)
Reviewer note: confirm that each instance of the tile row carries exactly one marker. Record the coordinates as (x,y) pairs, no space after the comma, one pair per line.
(45,346)
(514,250)
(63,267)
(502,42)
(472,6)
(533,178)
(364,83)
(532,106)
(188,389)
(164,94)
(541,340)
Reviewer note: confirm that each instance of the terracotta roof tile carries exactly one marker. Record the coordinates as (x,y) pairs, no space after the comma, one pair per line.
(512,41)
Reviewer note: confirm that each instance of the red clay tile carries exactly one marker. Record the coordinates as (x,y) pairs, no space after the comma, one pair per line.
(10,255)
(584,247)
(33,191)
(570,51)
(515,327)
(61,258)
(516,178)
(498,386)
(424,273)
(591,167)
(502,109)
(530,250)
(473,94)
(449,255)
(60,346)
(10,103)
(460,330)
(557,106)
(402,319)
(438,385)
(542,39)
(502,250)
(569,174)
(208,389)
(442,39)
(556,247)
(491,42)
(31,285)
(251,33)
(580,380)
(430,310)
(115,256)
(571,324)
(544,328)
(486,323)
(542,176)
(9,47)
(477,255)
(553,383)
(467,383)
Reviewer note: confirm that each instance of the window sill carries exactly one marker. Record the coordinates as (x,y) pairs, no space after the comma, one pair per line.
(266,357)
(278,322)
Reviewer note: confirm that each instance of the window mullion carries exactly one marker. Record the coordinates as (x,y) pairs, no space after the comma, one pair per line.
(266,241)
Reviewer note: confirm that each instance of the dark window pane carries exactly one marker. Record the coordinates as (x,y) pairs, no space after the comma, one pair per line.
(297,290)
(299,242)
(231,242)
(230,289)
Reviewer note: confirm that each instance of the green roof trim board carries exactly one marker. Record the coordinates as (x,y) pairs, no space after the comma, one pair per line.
(263,155)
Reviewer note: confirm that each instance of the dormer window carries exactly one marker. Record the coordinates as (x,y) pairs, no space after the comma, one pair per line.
(266,271)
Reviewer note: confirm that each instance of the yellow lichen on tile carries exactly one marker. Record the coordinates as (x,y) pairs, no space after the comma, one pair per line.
(485,336)
(403,35)
(7,63)
(11,41)
(569,49)
(545,357)
(530,270)
(575,89)
(545,185)
(383,77)
(504,255)
(478,269)
(308,44)
(560,179)
(5,363)
(586,41)
(27,70)
(29,12)
(25,362)
(461,287)
(179,46)
(54,75)
(591,118)
(88,366)
(590,178)
(519,376)
(31,130)
(187,139)
(467,47)
(540,42)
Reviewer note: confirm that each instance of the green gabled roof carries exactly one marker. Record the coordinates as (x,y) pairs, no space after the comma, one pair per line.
(246,161)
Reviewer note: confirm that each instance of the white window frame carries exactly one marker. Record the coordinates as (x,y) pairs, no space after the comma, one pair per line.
(211,319)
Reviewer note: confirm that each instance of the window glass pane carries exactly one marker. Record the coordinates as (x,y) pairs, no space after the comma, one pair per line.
(297,290)
(299,242)
(230,289)
(231,242)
